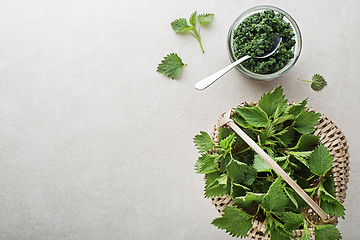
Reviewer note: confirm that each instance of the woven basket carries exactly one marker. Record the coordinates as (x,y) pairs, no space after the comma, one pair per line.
(335,141)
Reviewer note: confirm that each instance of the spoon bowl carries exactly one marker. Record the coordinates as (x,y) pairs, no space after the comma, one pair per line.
(277,40)
(206,82)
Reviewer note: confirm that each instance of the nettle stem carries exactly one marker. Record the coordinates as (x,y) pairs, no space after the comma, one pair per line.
(199,39)
(304,80)
(244,150)
(196,34)
(202,49)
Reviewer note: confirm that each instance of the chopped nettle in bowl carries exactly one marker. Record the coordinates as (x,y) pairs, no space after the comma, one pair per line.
(252,33)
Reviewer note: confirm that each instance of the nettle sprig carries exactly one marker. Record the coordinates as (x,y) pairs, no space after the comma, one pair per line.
(180,25)
(318,82)
(172,65)
(285,132)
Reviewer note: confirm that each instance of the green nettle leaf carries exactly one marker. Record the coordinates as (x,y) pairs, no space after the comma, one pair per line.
(203,142)
(207,164)
(262,137)
(246,201)
(198,165)
(320,161)
(211,178)
(275,199)
(330,204)
(292,220)
(334,208)
(318,82)
(329,185)
(287,135)
(238,190)
(260,165)
(277,234)
(180,25)
(325,196)
(306,122)
(271,101)
(226,143)
(250,175)
(192,19)
(278,231)
(280,115)
(283,118)
(255,116)
(270,131)
(306,233)
(251,134)
(205,18)
(291,195)
(236,170)
(239,120)
(171,66)
(236,222)
(224,160)
(223,179)
(326,232)
(224,133)
(297,108)
(306,142)
(302,156)
(215,185)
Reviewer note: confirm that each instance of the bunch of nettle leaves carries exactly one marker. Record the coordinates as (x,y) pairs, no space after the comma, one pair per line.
(284,131)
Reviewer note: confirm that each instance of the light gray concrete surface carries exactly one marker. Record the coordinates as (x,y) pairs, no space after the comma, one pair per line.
(95,144)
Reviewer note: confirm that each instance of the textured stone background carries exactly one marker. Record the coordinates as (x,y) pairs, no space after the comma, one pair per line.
(95,144)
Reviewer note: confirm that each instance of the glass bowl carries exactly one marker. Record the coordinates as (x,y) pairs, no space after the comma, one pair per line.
(296,48)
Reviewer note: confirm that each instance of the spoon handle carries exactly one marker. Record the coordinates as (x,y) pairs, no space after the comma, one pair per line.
(202,84)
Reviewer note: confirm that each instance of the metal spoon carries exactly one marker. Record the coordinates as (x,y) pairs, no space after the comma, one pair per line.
(214,77)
